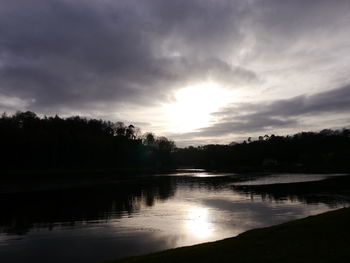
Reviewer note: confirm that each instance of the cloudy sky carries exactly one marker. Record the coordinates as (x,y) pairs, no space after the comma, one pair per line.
(197,71)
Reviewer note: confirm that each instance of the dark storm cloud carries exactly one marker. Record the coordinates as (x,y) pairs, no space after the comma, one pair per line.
(253,123)
(81,53)
(61,52)
(240,125)
(286,26)
(269,116)
(336,100)
(101,58)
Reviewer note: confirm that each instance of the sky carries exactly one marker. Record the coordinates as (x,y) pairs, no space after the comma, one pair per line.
(196,71)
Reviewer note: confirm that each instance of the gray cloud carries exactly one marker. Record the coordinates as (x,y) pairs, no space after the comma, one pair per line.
(80,53)
(336,100)
(101,57)
(247,118)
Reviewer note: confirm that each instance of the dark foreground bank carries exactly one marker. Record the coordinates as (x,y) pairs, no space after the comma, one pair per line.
(321,238)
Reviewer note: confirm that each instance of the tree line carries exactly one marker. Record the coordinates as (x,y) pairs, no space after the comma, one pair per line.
(324,151)
(28,141)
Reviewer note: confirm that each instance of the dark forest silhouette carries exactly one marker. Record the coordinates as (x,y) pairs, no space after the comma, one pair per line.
(324,151)
(29,142)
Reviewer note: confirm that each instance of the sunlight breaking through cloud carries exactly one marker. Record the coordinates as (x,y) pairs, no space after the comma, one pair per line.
(194,105)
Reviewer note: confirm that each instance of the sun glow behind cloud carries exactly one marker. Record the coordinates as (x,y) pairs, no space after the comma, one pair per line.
(145,50)
(193,106)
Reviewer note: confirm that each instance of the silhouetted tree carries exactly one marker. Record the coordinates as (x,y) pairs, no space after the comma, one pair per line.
(30,142)
(149,139)
(328,150)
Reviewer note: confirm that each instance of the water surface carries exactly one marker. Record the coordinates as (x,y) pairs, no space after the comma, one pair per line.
(92,222)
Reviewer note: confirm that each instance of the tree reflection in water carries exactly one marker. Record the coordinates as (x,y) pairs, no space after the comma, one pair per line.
(150,213)
(76,206)
(146,214)
(22,211)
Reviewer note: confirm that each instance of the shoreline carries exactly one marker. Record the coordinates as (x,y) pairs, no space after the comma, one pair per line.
(319,238)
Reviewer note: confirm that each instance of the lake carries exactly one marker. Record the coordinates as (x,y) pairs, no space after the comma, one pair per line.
(88,221)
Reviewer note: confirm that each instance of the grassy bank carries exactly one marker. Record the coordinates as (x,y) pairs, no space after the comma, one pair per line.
(321,238)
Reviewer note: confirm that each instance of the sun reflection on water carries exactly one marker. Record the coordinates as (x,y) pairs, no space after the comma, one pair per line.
(198,222)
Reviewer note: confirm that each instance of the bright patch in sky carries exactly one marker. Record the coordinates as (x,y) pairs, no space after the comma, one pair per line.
(193,106)
(265,67)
